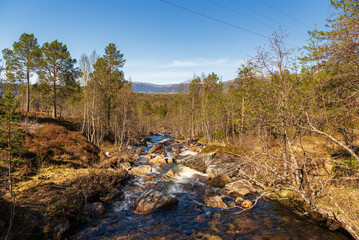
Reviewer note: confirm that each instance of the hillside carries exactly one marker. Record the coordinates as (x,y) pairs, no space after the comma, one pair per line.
(142,87)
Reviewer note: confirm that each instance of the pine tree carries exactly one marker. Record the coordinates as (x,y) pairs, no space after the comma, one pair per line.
(115,62)
(57,67)
(22,60)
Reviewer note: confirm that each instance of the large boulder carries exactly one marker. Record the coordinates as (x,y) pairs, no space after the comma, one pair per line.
(151,201)
(220,180)
(200,162)
(239,188)
(141,170)
(182,171)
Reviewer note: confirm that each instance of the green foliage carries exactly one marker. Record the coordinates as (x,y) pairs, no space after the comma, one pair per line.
(22,59)
(345,167)
(220,135)
(56,67)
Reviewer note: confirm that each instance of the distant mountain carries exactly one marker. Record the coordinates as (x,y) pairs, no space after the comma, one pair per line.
(142,87)
(157,88)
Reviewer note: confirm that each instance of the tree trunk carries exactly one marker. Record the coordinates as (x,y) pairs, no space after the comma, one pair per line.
(27,92)
(54,100)
(242,117)
(344,146)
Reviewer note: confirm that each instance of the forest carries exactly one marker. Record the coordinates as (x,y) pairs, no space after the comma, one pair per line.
(291,113)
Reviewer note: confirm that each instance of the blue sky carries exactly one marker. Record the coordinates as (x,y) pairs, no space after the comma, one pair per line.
(162,43)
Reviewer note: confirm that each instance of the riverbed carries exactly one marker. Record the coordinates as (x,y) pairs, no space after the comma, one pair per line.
(191,218)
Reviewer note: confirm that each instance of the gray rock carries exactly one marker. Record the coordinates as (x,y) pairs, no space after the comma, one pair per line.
(201,162)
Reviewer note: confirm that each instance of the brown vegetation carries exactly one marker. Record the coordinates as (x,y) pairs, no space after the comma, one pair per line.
(57,173)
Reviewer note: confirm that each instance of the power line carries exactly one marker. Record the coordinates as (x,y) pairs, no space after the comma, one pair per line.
(239,13)
(220,21)
(255,20)
(278,10)
(269,18)
(214,19)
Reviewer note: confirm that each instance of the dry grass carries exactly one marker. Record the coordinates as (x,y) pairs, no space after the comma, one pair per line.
(57,171)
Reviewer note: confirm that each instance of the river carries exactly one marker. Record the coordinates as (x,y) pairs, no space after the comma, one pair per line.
(190,218)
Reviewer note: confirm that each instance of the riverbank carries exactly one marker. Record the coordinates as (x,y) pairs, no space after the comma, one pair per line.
(56,173)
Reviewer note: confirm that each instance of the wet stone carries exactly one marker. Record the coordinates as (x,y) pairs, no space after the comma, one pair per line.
(216,202)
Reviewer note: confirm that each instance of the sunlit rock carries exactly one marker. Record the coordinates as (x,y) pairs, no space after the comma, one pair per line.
(141,170)
(246,204)
(215,201)
(151,200)
(158,160)
(239,188)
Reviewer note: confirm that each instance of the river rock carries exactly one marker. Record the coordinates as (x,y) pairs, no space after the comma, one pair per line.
(239,188)
(220,180)
(239,200)
(158,160)
(246,204)
(170,160)
(185,172)
(151,200)
(201,161)
(141,170)
(95,208)
(215,201)
(170,173)
(115,193)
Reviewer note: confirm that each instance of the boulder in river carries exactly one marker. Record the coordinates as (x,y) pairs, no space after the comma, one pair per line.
(215,201)
(115,193)
(220,180)
(185,172)
(151,200)
(141,170)
(158,160)
(201,161)
(239,188)
(95,208)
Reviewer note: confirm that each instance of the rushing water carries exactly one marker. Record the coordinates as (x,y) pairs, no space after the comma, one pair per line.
(191,219)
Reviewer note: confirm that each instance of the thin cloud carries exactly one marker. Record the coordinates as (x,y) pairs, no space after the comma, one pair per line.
(181,70)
